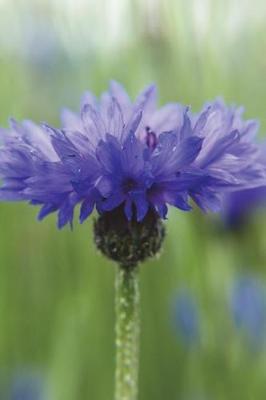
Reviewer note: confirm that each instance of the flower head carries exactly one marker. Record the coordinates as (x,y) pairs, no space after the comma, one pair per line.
(116,153)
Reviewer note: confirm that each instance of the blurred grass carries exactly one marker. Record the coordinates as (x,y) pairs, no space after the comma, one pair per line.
(56,291)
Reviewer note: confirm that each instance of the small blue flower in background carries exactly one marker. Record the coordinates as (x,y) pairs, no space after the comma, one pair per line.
(41,44)
(132,155)
(248,307)
(186,317)
(239,205)
(26,386)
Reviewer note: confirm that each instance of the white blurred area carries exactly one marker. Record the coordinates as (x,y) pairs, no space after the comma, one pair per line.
(34,28)
(75,26)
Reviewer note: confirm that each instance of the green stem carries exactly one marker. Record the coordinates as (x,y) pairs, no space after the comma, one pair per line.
(127,333)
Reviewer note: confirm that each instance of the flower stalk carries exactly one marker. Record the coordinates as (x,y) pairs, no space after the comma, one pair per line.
(127,333)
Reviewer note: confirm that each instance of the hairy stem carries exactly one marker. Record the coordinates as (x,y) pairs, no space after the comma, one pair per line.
(127,333)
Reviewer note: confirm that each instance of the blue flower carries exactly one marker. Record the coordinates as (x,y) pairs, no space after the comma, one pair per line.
(27,386)
(186,317)
(116,153)
(248,306)
(239,205)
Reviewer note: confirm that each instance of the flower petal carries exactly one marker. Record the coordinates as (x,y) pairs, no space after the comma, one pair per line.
(86,208)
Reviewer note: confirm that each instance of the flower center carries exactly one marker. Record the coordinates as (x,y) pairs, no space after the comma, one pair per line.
(129,184)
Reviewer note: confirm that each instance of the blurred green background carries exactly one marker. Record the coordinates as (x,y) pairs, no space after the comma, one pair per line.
(56,291)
